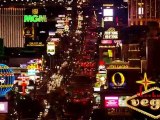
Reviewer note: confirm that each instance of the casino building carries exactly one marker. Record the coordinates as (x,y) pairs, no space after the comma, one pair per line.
(11,19)
(142,11)
(122,62)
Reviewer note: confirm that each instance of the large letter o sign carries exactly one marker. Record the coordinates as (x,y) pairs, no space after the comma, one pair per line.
(121,76)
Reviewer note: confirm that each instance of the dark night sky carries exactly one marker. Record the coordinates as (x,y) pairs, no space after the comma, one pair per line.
(119,2)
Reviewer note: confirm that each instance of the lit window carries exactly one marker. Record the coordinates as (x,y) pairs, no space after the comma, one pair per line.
(140,11)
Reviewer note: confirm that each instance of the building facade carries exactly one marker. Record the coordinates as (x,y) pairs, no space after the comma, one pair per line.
(11,26)
(142,11)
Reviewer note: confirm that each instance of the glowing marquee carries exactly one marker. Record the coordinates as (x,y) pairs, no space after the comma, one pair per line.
(35,44)
(118,66)
(111,33)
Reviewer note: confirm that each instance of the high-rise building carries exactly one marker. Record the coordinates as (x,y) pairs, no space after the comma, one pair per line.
(142,11)
(11,26)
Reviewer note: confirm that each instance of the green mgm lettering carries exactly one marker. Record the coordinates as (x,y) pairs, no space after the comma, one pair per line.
(35,18)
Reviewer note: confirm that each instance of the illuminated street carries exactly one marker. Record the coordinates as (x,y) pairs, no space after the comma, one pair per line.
(79,59)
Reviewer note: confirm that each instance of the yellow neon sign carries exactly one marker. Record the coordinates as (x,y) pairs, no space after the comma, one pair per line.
(122,79)
(145,82)
(143,99)
(32,66)
(34,11)
(118,66)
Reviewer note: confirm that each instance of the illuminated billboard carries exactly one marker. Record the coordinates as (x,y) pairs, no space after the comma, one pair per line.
(28,32)
(122,101)
(111,33)
(31,72)
(107,12)
(4,107)
(51,33)
(111,102)
(51,48)
(35,18)
(108,18)
(115,101)
(106,41)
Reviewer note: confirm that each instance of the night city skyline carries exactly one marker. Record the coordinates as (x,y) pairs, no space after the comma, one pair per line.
(79,59)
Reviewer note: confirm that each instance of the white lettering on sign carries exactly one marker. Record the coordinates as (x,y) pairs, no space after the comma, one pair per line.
(111,33)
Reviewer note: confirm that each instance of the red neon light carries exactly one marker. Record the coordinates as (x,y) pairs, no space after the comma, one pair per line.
(101,62)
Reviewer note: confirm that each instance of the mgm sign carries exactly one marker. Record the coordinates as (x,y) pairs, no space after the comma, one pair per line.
(35,17)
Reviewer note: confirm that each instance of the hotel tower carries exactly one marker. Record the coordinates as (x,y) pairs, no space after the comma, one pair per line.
(142,11)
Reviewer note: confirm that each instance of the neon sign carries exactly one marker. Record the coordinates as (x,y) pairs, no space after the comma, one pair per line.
(146,102)
(121,101)
(32,66)
(122,79)
(51,48)
(111,33)
(34,11)
(118,66)
(145,81)
(106,42)
(111,102)
(36,44)
(6,79)
(4,107)
(2,80)
(31,72)
(118,82)
(35,18)
(101,80)
(28,32)
(24,82)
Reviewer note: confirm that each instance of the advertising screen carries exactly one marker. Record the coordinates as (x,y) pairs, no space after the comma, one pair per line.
(97,89)
(31,72)
(108,19)
(51,48)
(4,107)
(115,101)
(107,12)
(108,42)
(111,102)
(122,102)
(121,78)
(51,33)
